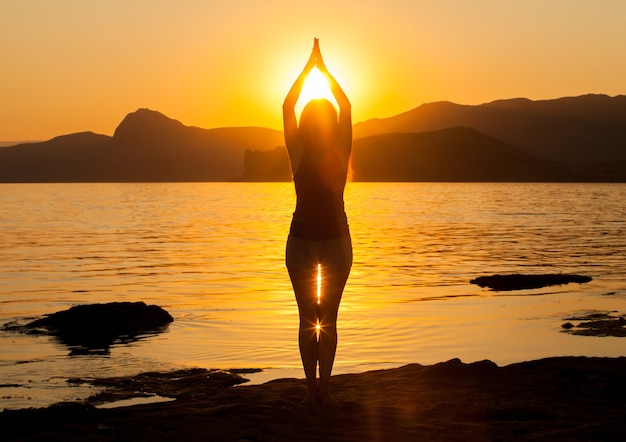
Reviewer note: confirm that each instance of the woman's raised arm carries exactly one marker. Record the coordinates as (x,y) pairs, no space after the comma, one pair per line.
(289,116)
(345,108)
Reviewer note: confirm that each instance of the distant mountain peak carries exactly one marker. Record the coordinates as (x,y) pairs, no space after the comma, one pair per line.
(144,112)
(145,121)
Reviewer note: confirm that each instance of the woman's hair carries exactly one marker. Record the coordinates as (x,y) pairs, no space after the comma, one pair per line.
(319,118)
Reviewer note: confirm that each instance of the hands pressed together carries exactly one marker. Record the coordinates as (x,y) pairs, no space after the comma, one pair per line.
(316,60)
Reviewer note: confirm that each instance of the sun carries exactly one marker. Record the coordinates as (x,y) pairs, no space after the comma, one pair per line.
(315,86)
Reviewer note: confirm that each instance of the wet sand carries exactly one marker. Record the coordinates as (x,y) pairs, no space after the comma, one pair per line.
(564,398)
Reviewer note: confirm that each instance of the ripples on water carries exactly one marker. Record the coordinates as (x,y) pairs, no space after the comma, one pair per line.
(212,254)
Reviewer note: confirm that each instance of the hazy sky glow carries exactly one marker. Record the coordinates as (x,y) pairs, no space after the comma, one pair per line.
(76,65)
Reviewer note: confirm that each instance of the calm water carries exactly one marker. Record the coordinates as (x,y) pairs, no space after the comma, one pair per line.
(212,255)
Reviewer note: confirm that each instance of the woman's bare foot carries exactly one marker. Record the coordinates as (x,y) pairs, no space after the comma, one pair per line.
(309,400)
(326,400)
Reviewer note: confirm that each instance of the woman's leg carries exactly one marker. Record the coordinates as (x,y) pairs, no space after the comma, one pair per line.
(336,264)
(302,262)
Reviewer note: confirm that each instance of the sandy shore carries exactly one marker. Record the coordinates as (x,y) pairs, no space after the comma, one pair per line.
(569,398)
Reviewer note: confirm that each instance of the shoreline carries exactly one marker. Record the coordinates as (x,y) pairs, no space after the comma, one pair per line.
(562,398)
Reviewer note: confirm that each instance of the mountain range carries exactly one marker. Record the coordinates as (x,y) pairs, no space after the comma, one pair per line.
(566,139)
(146,146)
(574,130)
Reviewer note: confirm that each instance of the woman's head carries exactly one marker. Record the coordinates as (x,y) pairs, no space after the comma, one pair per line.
(319,122)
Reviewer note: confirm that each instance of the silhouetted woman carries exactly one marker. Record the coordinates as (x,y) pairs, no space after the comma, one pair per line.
(319,238)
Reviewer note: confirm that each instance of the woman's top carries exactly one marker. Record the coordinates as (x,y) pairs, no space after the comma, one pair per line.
(320,212)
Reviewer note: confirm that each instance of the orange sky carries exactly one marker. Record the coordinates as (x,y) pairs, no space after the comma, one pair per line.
(76,65)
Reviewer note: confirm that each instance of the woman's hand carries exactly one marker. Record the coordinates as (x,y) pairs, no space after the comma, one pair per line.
(319,61)
(296,88)
(345,109)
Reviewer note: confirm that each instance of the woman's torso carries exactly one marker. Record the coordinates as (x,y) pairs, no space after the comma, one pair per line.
(319,184)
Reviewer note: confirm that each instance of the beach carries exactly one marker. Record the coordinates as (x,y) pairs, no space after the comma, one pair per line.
(563,398)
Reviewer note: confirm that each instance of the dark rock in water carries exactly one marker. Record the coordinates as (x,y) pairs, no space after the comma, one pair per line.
(520,282)
(597,324)
(95,327)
